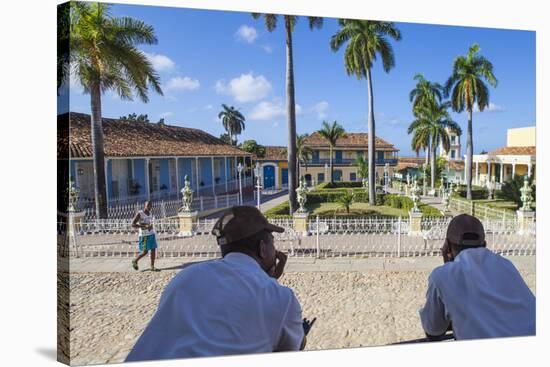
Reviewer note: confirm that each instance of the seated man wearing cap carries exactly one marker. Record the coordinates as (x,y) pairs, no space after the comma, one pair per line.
(233,305)
(481,294)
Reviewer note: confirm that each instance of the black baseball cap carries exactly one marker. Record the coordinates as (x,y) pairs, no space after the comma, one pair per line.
(241,222)
(466,230)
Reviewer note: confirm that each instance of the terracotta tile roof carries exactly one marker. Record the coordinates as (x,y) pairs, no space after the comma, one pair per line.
(457,165)
(409,162)
(138,139)
(351,141)
(515,151)
(274,153)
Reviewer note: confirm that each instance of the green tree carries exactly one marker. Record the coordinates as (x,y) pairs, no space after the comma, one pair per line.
(332,132)
(233,122)
(346,200)
(133,117)
(431,123)
(423,93)
(251,146)
(303,153)
(104,56)
(510,190)
(467,88)
(290,23)
(226,139)
(362,166)
(365,40)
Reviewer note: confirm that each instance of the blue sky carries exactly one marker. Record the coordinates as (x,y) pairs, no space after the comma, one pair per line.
(206,58)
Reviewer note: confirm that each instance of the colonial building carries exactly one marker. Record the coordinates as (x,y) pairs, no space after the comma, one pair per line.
(150,160)
(345,152)
(274,167)
(454,152)
(518,157)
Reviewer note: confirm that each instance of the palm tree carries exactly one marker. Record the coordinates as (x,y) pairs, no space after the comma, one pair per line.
(362,167)
(233,122)
(103,56)
(303,153)
(467,89)
(346,200)
(332,132)
(423,93)
(365,40)
(290,23)
(431,124)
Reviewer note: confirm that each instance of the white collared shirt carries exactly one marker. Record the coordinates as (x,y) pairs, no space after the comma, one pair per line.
(482,294)
(221,307)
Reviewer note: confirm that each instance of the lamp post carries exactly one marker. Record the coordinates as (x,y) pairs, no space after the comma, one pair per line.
(258,183)
(239,171)
(386,168)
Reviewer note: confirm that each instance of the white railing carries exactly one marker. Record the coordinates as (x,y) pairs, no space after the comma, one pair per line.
(480,210)
(350,238)
(168,208)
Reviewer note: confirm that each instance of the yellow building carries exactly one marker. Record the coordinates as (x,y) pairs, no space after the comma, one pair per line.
(274,167)
(345,152)
(518,157)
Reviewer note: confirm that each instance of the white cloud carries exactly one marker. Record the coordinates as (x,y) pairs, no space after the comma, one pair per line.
(268,110)
(321,109)
(182,83)
(245,88)
(490,108)
(160,62)
(166,114)
(267,48)
(246,34)
(207,107)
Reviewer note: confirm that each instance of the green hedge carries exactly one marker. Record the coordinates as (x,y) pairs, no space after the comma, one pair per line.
(280,211)
(339,185)
(406,203)
(478,192)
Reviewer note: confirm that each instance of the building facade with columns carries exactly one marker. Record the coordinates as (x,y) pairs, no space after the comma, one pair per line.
(455,149)
(150,160)
(345,152)
(518,157)
(274,167)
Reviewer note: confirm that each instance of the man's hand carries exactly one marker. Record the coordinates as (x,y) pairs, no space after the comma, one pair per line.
(279,267)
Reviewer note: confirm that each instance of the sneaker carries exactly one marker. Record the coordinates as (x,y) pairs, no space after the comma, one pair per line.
(135,264)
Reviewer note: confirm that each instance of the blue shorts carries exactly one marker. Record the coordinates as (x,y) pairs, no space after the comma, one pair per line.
(147,243)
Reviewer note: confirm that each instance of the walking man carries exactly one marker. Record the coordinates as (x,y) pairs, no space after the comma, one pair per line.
(233,305)
(476,293)
(147,239)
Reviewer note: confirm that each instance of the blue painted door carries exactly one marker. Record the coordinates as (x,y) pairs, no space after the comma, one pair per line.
(269,176)
(284,174)
(338,156)
(337,175)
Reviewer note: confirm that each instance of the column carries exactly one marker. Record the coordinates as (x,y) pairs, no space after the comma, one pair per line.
(225,172)
(529,170)
(488,171)
(177,177)
(147,183)
(213,176)
(501,172)
(464,171)
(513,170)
(477,173)
(107,183)
(197,173)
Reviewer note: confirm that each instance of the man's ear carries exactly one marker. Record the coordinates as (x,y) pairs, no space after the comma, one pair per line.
(262,250)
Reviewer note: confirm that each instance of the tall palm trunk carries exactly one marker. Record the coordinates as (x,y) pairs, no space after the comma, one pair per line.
(469,156)
(100,188)
(331,165)
(426,163)
(291,118)
(433,160)
(372,148)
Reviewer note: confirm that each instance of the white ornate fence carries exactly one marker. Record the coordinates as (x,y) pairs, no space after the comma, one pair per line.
(350,238)
(482,211)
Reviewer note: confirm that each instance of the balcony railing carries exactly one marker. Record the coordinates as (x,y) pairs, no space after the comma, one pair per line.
(347,162)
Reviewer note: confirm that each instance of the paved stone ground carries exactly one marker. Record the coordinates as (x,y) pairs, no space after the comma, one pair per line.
(357,303)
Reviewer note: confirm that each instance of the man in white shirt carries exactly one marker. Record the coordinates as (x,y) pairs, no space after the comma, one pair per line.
(476,293)
(233,305)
